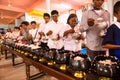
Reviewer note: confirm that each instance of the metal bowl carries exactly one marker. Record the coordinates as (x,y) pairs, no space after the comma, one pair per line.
(106,69)
(80,65)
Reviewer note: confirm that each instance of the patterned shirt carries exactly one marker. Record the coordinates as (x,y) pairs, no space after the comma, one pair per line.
(93,40)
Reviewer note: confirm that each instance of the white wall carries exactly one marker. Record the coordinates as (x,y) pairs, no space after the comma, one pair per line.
(7,26)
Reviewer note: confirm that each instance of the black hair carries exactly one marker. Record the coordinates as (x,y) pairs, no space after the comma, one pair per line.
(17,27)
(116,7)
(54,12)
(33,22)
(25,23)
(46,14)
(71,16)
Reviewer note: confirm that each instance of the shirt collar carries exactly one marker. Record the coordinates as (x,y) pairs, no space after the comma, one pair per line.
(103,10)
(117,24)
(55,22)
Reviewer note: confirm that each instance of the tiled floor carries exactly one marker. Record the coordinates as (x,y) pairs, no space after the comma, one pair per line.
(9,72)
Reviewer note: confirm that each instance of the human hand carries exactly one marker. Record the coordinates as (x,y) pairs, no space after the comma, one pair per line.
(90,22)
(68,32)
(41,34)
(49,33)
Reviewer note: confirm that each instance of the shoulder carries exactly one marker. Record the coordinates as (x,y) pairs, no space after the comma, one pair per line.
(106,12)
(112,26)
(88,11)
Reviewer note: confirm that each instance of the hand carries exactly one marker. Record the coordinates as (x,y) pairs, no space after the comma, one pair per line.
(80,37)
(90,22)
(58,36)
(49,33)
(68,32)
(41,34)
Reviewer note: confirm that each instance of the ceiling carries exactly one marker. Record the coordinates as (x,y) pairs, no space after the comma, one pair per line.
(12,9)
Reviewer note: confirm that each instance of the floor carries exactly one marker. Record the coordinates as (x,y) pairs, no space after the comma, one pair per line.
(9,72)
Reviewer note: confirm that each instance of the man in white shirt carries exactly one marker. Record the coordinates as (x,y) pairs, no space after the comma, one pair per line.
(33,33)
(54,31)
(90,24)
(41,30)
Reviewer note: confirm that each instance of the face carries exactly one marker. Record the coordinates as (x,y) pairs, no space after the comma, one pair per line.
(73,21)
(98,3)
(117,15)
(55,17)
(24,26)
(47,19)
(33,25)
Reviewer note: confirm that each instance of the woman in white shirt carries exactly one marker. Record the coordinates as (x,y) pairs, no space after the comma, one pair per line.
(72,35)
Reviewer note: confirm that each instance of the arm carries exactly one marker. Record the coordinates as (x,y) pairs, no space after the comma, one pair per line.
(111,46)
(83,24)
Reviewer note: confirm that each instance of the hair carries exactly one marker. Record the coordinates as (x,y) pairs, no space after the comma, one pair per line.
(17,27)
(33,22)
(46,14)
(71,16)
(54,12)
(116,7)
(25,23)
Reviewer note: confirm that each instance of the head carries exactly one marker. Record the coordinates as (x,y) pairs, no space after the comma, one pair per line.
(46,17)
(98,4)
(116,10)
(16,28)
(72,20)
(9,30)
(54,15)
(33,24)
(25,25)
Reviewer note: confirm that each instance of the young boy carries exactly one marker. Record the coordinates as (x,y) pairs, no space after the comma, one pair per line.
(112,38)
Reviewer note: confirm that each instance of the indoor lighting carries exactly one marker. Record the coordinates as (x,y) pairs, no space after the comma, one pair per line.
(9,3)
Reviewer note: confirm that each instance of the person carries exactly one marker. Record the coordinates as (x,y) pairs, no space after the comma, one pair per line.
(112,38)
(53,31)
(33,32)
(24,32)
(8,35)
(41,30)
(72,35)
(94,22)
(16,32)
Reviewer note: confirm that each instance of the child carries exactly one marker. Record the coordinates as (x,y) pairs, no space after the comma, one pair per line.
(112,38)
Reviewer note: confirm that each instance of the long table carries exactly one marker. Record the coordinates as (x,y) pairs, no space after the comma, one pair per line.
(47,69)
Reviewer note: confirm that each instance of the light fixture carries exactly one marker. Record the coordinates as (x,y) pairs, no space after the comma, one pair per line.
(9,3)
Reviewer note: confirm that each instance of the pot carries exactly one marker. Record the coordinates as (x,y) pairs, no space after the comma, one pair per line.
(106,66)
(62,57)
(82,64)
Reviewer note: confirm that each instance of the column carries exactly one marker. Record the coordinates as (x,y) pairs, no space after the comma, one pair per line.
(48,6)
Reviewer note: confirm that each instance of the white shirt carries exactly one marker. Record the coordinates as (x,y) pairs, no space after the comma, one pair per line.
(15,34)
(70,43)
(34,33)
(56,28)
(42,27)
(8,35)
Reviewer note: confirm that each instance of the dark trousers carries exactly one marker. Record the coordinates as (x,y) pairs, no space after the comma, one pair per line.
(92,54)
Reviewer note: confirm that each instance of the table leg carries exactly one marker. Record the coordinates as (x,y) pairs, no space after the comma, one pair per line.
(27,71)
(13,59)
(5,54)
